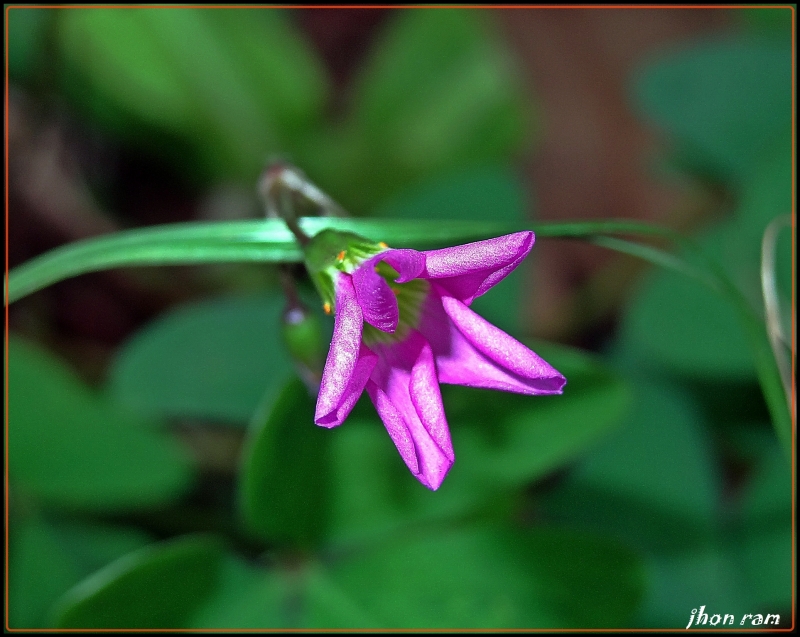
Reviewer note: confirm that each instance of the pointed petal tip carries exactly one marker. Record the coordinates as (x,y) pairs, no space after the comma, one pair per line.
(329,420)
(433,480)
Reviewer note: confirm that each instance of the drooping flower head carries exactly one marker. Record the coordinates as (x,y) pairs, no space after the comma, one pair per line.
(403,325)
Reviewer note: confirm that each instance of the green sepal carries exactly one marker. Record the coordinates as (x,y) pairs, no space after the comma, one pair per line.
(332,252)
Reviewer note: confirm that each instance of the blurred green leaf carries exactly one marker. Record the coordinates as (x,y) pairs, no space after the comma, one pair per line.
(212,359)
(514,439)
(247,597)
(501,440)
(679,582)
(375,496)
(774,22)
(675,321)
(439,92)
(70,448)
(236,84)
(726,101)
(765,538)
(652,483)
(678,322)
(285,474)
(655,485)
(483,193)
(158,586)
(46,558)
(27,29)
(481,578)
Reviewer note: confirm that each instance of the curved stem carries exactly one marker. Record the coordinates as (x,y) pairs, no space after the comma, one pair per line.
(777,338)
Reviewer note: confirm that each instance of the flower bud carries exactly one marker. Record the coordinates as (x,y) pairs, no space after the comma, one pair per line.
(302,335)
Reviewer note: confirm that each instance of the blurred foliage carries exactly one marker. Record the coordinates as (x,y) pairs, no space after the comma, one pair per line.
(235,87)
(652,486)
(71,448)
(163,370)
(728,105)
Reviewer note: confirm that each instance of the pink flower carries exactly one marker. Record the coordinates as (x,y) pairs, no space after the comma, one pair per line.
(403,325)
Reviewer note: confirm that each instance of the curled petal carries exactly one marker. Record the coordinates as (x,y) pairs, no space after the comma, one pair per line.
(375,297)
(405,391)
(471,351)
(409,264)
(377,301)
(349,362)
(468,271)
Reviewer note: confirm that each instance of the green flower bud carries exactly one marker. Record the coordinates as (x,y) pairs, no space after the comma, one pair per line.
(303,337)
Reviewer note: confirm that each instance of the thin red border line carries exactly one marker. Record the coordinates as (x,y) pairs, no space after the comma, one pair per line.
(393,6)
(505,630)
(6,486)
(793,415)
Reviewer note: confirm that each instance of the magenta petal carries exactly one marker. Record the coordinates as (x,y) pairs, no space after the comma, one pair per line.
(396,427)
(471,351)
(427,398)
(406,395)
(409,264)
(377,301)
(349,363)
(468,271)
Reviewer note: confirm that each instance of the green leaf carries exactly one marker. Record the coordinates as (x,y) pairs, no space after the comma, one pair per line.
(683,581)
(484,193)
(481,578)
(159,586)
(438,93)
(234,84)
(500,440)
(765,539)
(211,359)
(652,483)
(511,439)
(169,244)
(375,496)
(675,321)
(773,22)
(46,558)
(726,101)
(678,323)
(248,597)
(73,449)
(269,241)
(27,30)
(285,475)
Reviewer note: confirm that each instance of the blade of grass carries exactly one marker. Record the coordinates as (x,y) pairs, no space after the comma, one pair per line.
(270,241)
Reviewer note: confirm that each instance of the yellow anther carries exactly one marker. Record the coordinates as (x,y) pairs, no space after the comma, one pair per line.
(382,244)
(327,308)
(341,255)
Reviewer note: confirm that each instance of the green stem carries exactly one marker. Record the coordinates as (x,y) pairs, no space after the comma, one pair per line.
(271,241)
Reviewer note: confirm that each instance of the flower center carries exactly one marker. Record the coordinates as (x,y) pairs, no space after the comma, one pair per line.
(410,297)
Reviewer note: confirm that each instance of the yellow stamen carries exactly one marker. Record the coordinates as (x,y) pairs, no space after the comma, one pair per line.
(327,308)
(382,244)
(341,255)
